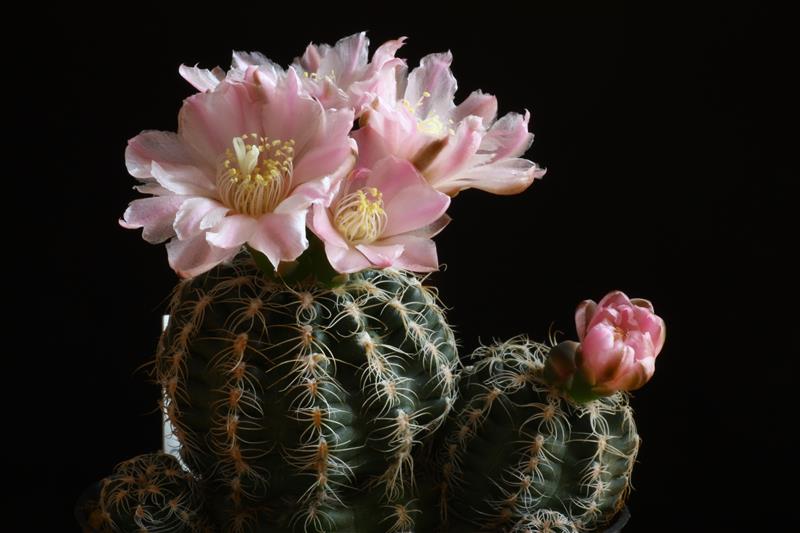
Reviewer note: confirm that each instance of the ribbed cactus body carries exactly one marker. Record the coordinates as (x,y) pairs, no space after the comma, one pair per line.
(306,398)
(150,493)
(515,447)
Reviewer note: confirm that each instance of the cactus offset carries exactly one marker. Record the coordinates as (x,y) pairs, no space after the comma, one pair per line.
(515,446)
(303,397)
(150,493)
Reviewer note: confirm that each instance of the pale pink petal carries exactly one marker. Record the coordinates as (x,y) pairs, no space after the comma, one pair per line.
(413,208)
(280,236)
(379,79)
(509,176)
(380,255)
(232,231)
(346,60)
(419,254)
(508,137)
(155,215)
(243,60)
(162,146)
(346,260)
(197,215)
(391,176)
(331,147)
(183,179)
(432,86)
(319,191)
(478,104)
(209,121)
(201,78)
(195,256)
(432,229)
(322,226)
(583,316)
(387,131)
(456,153)
(290,113)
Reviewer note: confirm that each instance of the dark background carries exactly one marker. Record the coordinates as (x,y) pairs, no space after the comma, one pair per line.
(668,177)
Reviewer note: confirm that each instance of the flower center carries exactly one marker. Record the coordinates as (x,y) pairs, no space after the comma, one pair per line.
(360,216)
(256,174)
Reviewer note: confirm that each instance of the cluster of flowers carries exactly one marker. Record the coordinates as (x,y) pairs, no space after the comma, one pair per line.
(263,154)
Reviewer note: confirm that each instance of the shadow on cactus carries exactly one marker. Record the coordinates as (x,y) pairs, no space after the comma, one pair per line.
(309,374)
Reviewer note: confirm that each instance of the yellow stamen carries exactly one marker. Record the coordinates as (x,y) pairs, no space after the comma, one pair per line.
(360,216)
(255,176)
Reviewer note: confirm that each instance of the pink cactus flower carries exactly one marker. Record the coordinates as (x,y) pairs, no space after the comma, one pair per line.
(620,340)
(455,147)
(382,217)
(339,76)
(245,165)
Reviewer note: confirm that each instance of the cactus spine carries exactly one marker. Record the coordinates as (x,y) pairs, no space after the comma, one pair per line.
(150,493)
(306,404)
(515,447)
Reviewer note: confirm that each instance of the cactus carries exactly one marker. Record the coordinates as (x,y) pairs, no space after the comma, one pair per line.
(545,521)
(515,446)
(149,493)
(302,405)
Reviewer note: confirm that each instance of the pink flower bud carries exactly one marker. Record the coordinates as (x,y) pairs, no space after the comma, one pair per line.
(620,340)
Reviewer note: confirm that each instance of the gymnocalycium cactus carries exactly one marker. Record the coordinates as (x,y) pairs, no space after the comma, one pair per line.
(150,492)
(301,397)
(516,445)
(308,373)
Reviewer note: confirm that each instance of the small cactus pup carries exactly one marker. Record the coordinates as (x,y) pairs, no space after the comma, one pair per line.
(149,493)
(305,362)
(526,436)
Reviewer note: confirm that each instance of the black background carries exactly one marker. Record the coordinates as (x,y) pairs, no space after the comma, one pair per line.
(666,144)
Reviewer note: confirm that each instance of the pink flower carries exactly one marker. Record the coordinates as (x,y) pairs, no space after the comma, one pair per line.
(339,76)
(455,147)
(382,217)
(620,340)
(247,162)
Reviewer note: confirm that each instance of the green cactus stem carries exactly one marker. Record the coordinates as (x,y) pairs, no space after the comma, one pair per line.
(150,493)
(307,393)
(515,445)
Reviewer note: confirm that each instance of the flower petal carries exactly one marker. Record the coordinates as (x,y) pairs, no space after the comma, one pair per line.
(155,215)
(164,147)
(232,231)
(431,86)
(419,254)
(583,316)
(280,236)
(197,215)
(509,176)
(201,78)
(413,208)
(322,226)
(346,260)
(331,147)
(381,255)
(478,104)
(508,137)
(195,256)
(209,121)
(456,153)
(183,179)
